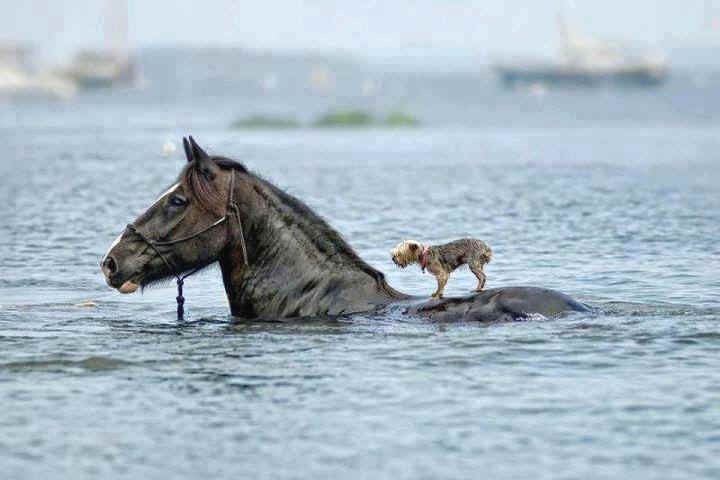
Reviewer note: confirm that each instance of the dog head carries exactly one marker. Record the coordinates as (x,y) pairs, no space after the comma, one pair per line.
(406,252)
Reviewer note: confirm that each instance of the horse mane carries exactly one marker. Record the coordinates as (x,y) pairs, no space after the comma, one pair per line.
(325,238)
(205,192)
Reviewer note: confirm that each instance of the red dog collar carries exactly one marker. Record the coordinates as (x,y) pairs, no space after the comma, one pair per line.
(424,258)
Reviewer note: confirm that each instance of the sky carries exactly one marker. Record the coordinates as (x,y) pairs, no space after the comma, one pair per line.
(485,29)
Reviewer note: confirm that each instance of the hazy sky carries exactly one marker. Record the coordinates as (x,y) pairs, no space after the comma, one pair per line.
(482,28)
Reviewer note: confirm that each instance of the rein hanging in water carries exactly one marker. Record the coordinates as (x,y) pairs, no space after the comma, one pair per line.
(231,208)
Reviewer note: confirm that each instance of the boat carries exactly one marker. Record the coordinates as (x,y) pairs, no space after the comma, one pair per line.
(19,80)
(585,63)
(113,65)
(101,69)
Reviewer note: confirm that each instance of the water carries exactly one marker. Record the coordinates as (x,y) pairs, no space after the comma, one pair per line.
(609,196)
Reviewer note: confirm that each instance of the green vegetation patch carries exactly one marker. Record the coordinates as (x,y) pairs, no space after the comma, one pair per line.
(345,118)
(333,119)
(266,121)
(401,119)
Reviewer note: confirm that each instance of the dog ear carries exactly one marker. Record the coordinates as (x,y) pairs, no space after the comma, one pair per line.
(413,247)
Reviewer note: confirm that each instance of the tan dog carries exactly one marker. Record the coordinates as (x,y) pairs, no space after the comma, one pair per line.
(442,260)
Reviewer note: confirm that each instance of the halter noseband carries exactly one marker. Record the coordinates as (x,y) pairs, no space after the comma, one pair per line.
(231,208)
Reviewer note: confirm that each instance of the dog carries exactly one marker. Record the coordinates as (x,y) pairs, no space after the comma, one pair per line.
(442,260)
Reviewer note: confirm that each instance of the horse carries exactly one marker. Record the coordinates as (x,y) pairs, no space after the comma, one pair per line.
(279,259)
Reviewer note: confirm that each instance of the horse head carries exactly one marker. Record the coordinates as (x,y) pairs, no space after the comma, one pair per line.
(185,229)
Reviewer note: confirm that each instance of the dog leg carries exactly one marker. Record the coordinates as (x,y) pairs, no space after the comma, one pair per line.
(442,279)
(477,269)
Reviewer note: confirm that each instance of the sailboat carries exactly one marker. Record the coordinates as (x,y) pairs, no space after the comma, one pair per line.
(109,67)
(587,62)
(19,80)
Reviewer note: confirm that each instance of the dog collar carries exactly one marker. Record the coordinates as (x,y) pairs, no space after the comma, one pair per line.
(424,258)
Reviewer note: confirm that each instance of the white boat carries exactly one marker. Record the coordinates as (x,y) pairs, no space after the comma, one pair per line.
(113,65)
(18,80)
(101,69)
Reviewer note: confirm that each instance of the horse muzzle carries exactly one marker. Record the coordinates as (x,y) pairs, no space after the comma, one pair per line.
(110,269)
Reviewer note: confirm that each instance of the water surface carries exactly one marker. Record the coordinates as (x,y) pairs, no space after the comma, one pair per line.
(622,216)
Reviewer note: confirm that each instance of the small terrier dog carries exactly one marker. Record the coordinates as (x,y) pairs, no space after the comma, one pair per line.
(442,260)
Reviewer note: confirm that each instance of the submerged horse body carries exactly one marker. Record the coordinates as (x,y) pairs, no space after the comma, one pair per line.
(278,258)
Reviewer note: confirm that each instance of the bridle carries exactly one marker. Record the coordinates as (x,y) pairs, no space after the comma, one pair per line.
(230,209)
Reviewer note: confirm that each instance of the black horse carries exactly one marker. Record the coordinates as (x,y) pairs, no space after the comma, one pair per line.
(278,258)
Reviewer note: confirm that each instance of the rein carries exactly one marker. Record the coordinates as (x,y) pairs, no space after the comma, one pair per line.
(231,208)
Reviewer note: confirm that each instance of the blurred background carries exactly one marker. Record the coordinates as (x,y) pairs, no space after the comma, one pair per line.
(287,63)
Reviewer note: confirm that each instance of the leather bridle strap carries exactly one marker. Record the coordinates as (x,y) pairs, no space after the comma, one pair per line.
(231,207)
(234,207)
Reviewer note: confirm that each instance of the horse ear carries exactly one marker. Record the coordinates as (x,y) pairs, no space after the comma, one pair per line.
(202,159)
(188,150)
(198,152)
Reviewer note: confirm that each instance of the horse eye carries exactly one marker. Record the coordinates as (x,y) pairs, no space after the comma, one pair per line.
(177,201)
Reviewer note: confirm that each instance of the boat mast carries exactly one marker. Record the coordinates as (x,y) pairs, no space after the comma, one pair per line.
(116,28)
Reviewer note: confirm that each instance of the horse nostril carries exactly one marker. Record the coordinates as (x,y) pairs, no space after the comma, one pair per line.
(110,265)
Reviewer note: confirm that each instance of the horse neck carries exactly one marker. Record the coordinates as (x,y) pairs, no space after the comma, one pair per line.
(298,265)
